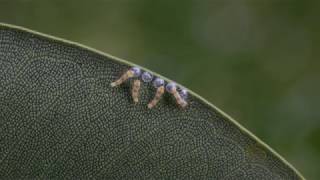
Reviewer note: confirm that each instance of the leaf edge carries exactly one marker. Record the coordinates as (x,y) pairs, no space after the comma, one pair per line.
(128,63)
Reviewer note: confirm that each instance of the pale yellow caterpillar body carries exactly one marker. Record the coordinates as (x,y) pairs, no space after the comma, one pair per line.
(133,72)
(135,90)
(179,99)
(157,97)
(171,88)
(123,78)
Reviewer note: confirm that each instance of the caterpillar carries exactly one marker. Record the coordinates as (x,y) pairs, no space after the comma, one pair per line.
(135,90)
(133,72)
(159,84)
(172,88)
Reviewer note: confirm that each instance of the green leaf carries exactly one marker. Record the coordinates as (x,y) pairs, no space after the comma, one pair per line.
(59,118)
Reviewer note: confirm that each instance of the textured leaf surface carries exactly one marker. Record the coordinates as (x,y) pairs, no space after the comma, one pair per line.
(59,118)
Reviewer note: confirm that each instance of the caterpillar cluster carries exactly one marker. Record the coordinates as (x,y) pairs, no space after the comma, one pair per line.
(158,83)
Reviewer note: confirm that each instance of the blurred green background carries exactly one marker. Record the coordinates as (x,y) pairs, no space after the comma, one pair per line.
(258,60)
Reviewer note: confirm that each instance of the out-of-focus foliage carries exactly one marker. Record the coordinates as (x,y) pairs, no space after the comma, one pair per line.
(258,60)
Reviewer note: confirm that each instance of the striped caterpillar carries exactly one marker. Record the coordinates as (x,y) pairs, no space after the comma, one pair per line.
(172,88)
(159,84)
(133,72)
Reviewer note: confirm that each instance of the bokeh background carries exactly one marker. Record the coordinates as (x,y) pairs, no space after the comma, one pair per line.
(258,60)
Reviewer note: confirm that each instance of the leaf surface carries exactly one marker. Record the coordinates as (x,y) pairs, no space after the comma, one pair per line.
(59,118)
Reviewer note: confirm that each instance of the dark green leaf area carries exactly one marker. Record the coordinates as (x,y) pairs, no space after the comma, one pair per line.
(59,118)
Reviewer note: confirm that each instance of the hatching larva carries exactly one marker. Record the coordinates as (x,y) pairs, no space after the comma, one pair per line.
(133,72)
(159,84)
(172,88)
(135,90)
